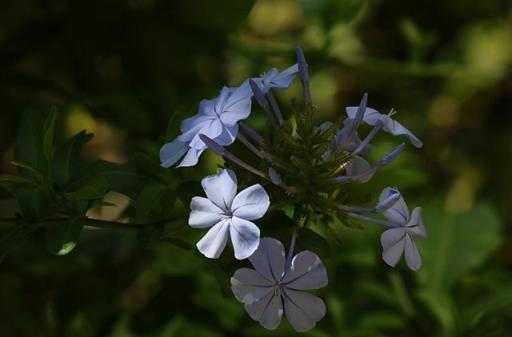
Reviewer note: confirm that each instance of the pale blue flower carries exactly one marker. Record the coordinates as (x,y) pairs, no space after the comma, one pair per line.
(372,117)
(273,288)
(229,215)
(275,79)
(400,238)
(217,118)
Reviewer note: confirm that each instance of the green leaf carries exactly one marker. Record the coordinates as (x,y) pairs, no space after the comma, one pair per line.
(34,172)
(123,178)
(15,180)
(151,166)
(150,201)
(66,163)
(49,135)
(61,238)
(28,146)
(311,240)
(88,188)
(32,202)
(456,244)
(187,190)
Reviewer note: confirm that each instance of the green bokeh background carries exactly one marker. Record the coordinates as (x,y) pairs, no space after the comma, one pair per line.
(124,69)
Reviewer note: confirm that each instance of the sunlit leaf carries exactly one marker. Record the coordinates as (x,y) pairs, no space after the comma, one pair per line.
(62,237)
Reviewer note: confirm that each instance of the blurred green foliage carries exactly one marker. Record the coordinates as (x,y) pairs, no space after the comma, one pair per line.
(130,71)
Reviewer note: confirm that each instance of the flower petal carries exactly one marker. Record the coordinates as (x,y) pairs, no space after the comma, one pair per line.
(269,259)
(393,244)
(397,129)
(213,129)
(204,213)
(415,225)
(399,212)
(228,135)
(249,286)
(412,255)
(191,158)
(251,203)
(268,311)
(284,78)
(303,310)
(214,242)
(371,116)
(237,106)
(245,237)
(191,126)
(171,152)
(360,167)
(306,272)
(220,188)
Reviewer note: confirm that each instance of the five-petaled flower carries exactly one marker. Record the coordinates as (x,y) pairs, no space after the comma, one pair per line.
(228,214)
(399,239)
(217,118)
(273,287)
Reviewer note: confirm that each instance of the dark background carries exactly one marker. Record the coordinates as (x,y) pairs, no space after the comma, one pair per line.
(124,69)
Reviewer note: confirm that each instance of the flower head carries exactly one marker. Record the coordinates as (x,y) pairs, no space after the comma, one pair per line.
(399,239)
(272,287)
(229,215)
(372,117)
(217,118)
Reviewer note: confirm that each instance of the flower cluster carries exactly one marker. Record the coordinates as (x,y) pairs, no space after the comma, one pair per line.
(303,168)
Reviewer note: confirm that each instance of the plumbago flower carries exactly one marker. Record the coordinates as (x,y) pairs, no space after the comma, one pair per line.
(217,118)
(399,239)
(275,286)
(307,169)
(229,215)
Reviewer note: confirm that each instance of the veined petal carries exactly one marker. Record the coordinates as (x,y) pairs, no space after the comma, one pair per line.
(207,107)
(393,244)
(303,310)
(269,259)
(220,188)
(171,152)
(191,126)
(221,100)
(284,78)
(249,286)
(412,255)
(245,237)
(397,129)
(212,128)
(306,272)
(214,242)
(204,213)
(371,116)
(191,158)
(268,311)
(399,212)
(415,225)
(228,135)
(251,203)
